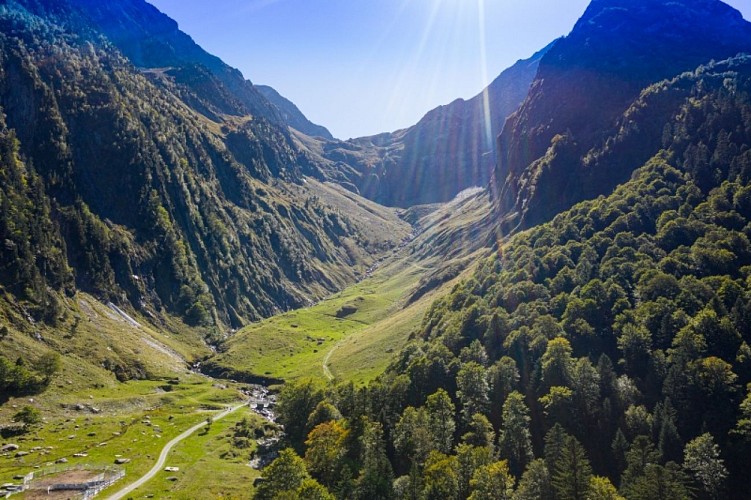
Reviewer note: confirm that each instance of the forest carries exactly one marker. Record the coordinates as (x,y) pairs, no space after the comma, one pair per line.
(602,355)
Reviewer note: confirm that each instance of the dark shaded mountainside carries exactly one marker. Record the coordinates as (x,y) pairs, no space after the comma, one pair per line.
(546,159)
(451,149)
(146,172)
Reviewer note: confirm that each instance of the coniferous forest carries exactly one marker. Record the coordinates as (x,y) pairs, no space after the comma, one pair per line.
(179,245)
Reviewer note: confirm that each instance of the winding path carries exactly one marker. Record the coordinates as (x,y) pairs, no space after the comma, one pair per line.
(325,364)
(163,455)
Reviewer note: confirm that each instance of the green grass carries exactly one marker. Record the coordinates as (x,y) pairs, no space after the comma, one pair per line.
(210,467)
(295,344)
(137,419)
(360,345)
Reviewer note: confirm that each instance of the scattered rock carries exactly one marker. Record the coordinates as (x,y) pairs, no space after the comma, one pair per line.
(346,310)
(80,455)
(172,478)
(9,447)
(61,461)
(22,453)
(172,469)
(121,461)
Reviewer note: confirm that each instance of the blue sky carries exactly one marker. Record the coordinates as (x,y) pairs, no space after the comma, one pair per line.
(361,67)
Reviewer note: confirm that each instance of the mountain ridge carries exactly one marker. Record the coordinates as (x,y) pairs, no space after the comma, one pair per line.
(450,149)
(587,80)
(292,114)
(159,207)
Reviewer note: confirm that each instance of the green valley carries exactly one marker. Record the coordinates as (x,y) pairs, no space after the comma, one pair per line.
(540,292)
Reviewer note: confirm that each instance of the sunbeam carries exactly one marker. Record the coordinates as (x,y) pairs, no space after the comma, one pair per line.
(484,70)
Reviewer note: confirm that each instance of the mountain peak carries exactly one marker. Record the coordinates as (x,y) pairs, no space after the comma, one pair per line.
(589,78)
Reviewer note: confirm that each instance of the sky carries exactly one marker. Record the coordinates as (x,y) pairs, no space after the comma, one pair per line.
(362,67)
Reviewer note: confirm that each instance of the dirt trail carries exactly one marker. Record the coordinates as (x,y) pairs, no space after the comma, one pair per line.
(163,455)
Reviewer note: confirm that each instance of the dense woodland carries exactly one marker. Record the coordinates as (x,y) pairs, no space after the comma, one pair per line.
(137,187)
(602,355)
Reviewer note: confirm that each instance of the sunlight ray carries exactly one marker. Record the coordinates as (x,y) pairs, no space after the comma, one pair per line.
(484,71)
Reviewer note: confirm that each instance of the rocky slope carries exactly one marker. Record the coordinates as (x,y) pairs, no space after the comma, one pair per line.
(292,115)
(451,149)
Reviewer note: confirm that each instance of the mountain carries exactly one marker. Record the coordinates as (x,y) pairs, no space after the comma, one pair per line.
(608,346)
(585,82)
(450,149)
(292,115)
(157,178)
(152,40)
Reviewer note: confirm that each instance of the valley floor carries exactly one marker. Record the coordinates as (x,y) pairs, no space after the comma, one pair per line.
(90,419)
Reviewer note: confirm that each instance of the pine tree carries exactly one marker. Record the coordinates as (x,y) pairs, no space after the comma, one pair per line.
(441,411)
(535,482)
(554,442)
(515,442)
(573,472)
(376,476)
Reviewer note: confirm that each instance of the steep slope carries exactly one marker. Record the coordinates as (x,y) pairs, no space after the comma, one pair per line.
(449,150)
(292,115)
(151,40)
(584,84)
(152,205)
(354,334)
(620,330)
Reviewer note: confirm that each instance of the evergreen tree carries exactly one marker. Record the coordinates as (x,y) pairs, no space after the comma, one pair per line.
(535,482)
(641,454)
(376,476)
(555,440)
(412,435)
(441,412)
(571,479)
(473,390)
(515,441)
